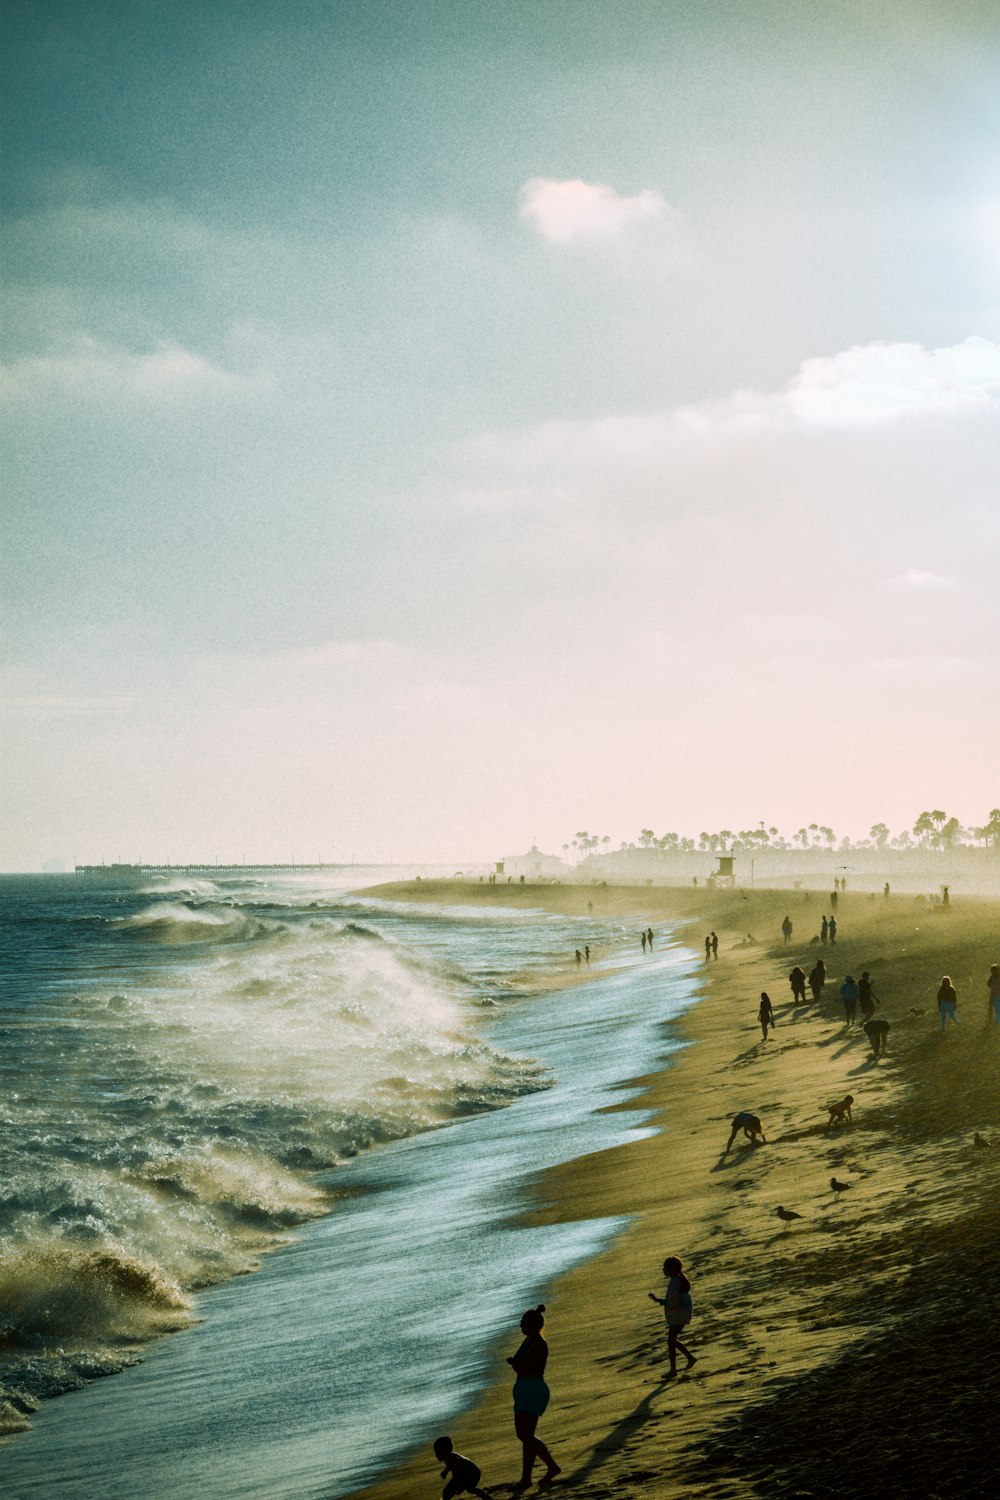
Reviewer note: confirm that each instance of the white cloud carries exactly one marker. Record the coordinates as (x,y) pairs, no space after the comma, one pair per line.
(577,210)
(923,581)
(866,389)
(92,368)
(869,385)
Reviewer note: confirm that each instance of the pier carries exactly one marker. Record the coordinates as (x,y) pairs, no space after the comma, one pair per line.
(202,872)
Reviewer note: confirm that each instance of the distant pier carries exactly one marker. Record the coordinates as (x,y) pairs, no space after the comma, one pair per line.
(198,872)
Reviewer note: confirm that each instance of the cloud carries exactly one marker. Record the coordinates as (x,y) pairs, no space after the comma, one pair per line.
(869,385)
(168,372)
(867,389)
(577,210)
(922,581)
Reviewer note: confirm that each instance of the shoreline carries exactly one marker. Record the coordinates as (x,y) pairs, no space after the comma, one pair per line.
(786,1319)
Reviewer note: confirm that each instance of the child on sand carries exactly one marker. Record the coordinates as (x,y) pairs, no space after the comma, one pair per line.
(465,1475)
(677,1309)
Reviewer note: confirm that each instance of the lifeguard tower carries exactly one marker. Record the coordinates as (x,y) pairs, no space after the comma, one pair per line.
(724,874)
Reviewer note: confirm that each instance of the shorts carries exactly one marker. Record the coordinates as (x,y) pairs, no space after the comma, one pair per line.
(531,1394)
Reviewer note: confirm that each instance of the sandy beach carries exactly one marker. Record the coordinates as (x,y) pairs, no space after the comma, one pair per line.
(850,1352)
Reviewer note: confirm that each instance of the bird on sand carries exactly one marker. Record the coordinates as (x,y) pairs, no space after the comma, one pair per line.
(981,1142)
(839,1187)
(786,1215)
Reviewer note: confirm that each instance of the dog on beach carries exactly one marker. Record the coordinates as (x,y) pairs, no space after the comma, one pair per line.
(840,1113)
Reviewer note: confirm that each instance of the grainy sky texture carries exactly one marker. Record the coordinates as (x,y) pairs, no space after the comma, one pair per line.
(432,427)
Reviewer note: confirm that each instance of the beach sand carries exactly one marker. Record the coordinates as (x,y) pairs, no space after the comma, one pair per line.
(851,1353)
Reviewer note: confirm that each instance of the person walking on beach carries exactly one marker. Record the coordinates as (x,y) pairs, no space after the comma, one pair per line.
(708,947)
(833,929)
(797,980)
(677,1310)
(579,958)
(867,997)
(817,979)
(750,1126)
(766,1014)
(642,939)
(465,1475)
(649,938)
(824,930)
(715,943)
(947,999)
(849,995)
(531,1395)
(993,995)
(786,928)
(586,954)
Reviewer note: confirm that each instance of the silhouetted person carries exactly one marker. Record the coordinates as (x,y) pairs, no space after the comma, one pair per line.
(642,939)
(750,1126)
(708,947)
(866,996)
(586,954)
(833,900)
(465,1475)
(824,930)
(833,929)
(885,890)
(797,980)
(715,944)
(579,958)
(649,938)
(522,879)
(877,1031)
(766,1013)
(531,1394)
(849,995)
(945,897)
(677,1310)
(947,999)
(840,1111)
(817,978)
(786,928)
(993,995)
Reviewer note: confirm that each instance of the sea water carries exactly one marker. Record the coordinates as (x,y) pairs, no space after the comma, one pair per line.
(192,1077)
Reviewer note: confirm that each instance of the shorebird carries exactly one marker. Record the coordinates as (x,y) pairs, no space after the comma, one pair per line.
(786,1215)
(981,1142)
(839,1187)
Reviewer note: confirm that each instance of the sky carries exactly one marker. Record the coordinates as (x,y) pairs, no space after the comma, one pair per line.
(434,428)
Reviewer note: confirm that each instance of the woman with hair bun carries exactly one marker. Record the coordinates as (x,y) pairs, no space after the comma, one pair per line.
(531,1395)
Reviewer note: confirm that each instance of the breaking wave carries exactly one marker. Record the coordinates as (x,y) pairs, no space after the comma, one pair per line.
(167,1128)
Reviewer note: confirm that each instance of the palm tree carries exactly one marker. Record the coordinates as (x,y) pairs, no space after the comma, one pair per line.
(924,827)
(950,833)
(829,835)
(646,837)
(992,830)
(879,834)
(938,818)
(802,838)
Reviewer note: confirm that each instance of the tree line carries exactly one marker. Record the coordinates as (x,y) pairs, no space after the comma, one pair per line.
(934,829)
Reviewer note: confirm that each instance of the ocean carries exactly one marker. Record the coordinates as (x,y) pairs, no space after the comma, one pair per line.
(269,1149)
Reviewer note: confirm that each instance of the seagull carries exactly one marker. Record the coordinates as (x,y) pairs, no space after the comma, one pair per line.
(981,1141)
(839,1187)
(786,1215)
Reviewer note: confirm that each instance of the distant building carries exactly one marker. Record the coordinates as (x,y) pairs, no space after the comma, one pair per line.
(534,865)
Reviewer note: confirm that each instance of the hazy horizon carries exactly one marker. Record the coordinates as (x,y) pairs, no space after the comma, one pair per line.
(443,429)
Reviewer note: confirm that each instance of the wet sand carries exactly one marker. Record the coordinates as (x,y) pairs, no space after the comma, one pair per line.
(851,1353)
